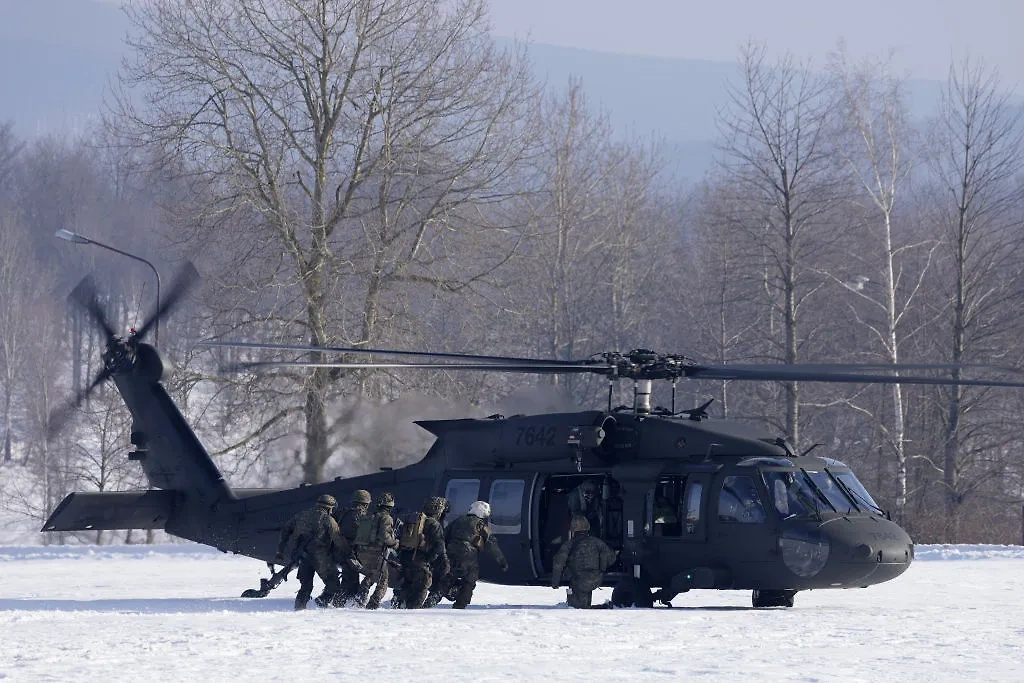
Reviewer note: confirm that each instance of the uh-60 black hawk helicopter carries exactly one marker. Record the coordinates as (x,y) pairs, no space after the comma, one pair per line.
(689,502)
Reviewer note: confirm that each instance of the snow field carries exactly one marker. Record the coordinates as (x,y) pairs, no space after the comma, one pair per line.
(170,613)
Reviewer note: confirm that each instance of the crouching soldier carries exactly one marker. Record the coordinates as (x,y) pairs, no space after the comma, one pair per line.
(375,536)
(311,536)
(466,537)
(583,559)
(421,550)
(348,524)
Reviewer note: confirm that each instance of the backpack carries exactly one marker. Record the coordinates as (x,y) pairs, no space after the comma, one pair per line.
(411,536)
(366,531)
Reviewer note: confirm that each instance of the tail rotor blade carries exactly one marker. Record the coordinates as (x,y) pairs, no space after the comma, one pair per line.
(60,416)
(186,278)
(85,296)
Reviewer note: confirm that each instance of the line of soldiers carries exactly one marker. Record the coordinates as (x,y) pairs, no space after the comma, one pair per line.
(431,562)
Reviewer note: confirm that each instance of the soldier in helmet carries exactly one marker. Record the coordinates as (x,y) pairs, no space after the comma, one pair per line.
(375,536)
(466,537)
(348,523)
(312,535)
(421,550)
(583,559)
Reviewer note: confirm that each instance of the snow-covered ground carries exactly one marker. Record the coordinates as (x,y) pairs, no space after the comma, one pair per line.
(170,613)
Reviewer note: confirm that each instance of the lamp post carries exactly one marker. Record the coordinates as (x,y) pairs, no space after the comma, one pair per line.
(75,238)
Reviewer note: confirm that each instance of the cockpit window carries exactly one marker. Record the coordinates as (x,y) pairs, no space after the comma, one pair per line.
(739,501)
(833,492)
(792,493)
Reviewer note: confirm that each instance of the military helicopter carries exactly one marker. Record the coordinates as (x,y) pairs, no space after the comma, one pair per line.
(690,502)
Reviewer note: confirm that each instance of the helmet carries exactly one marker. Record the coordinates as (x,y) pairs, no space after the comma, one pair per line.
(579,523)
(361,497)
(480,509)
(435,507)
(326,501)
(385,500)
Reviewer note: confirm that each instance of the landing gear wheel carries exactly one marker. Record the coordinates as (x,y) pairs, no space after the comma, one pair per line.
(632,593)
(769,598)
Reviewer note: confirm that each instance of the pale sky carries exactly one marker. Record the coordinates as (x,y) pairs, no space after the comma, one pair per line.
(925,35)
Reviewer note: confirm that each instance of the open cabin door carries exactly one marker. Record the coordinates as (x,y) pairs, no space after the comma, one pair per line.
(557,497)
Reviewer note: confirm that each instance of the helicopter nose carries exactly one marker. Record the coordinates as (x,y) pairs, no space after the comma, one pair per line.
(867,551)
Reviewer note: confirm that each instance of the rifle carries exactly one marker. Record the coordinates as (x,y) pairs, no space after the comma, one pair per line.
(277,577)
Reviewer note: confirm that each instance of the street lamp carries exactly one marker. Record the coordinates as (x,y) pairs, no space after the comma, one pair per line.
(75,238)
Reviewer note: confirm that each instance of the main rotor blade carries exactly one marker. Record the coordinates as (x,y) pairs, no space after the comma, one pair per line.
(539,368)
(84,294)
(185,279)
(60,416)
(392,352)
(836,373)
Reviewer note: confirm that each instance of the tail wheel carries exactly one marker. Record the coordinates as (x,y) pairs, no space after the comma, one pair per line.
(772,598)
(632,593)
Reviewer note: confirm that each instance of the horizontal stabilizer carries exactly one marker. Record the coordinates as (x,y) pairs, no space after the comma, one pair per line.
(112,510)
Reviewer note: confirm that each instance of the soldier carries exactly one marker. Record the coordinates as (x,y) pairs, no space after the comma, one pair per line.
(312,535)
(375,535)
(584,500)
(421,550)
(586,558)
(348,523)
(466,536)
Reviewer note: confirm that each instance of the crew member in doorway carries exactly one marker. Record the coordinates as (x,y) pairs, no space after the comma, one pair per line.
(585,501)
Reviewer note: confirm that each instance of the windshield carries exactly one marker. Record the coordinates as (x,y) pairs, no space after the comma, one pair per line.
(860,494)
(792,493)
(833,492)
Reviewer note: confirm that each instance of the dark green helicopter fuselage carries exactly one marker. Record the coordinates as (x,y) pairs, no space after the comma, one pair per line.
(688,503)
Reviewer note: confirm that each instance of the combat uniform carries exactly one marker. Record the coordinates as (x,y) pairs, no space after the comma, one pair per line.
(466,536)
(583,559)
(312,535)
(372,553)
(348,524)
(420,565)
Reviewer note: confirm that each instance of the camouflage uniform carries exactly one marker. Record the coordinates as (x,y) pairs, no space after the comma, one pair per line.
(372,555)
(421,565)
(348,523)
(313,534)
(584,559)
(466,536)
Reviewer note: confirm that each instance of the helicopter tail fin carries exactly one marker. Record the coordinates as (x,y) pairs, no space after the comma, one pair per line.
(112,510)
(169,452)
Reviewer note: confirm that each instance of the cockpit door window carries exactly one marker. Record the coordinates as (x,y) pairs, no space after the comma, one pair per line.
(739,502)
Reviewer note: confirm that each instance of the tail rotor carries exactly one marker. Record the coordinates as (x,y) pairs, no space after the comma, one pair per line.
(120,353)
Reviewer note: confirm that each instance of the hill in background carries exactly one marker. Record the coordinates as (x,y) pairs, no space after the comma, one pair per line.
(58,56)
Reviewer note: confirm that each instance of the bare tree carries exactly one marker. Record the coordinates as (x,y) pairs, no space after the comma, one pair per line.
(358,142)
(777,160)
(883,276)
(978,154)
(588,264)
(15,275)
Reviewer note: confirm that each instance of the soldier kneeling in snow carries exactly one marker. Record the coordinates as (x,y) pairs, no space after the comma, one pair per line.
(583,559)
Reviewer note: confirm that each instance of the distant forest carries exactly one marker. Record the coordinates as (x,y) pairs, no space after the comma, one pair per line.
(397,179)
